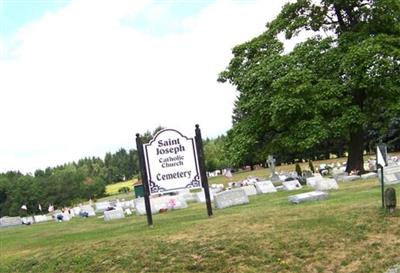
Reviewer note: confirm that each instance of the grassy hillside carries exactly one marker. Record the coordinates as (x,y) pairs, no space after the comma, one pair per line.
(113,188)
(346,233)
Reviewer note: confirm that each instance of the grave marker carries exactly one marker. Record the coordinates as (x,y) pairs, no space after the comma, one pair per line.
(265,187)
(308,196)
(113,214)
(249,190)
(230,198)
(10,221)
(291,185)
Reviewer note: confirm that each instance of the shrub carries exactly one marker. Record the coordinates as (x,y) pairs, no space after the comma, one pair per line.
(124,190)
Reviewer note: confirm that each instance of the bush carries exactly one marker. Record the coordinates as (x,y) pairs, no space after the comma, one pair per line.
(124,190)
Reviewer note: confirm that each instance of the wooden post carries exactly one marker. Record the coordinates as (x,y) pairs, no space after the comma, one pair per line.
(139,146)
(203,175)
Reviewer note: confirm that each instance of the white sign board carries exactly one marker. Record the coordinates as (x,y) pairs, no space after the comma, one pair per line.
(381,155)
(171,162)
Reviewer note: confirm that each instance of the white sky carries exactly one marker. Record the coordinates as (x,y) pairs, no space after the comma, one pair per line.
(83,80)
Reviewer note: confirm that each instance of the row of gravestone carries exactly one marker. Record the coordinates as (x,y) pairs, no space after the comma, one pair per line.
(56,215)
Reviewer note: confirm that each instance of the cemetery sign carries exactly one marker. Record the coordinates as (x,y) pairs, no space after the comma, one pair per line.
(171,162)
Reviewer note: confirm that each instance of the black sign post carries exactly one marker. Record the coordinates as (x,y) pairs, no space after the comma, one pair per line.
(203,175)
(143,172)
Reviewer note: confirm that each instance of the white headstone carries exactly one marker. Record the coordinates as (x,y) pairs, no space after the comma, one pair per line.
(326,184)
(42,218)
(291,185)
(27,220)
(230,198)
(201,197)
(76,210)
(265,187)
(89,209)
(160,203)
(391,174)
(65,216)
(311,181)
(308,196)
(187,196)
(250,190)
(101,206)
(10,221)
(113,214)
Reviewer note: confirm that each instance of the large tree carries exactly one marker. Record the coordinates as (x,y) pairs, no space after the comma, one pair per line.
(325,92)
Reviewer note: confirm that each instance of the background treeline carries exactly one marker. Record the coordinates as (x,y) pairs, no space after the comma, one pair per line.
(64,185)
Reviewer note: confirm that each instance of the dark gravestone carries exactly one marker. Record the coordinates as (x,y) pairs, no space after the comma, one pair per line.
(390,199)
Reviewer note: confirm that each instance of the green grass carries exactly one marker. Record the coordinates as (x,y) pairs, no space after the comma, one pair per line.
(112,189)
(348,232)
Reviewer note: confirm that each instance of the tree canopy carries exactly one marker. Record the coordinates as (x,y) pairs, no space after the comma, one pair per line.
(328,92)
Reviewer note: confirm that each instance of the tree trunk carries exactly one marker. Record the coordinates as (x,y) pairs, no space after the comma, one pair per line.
(355,160)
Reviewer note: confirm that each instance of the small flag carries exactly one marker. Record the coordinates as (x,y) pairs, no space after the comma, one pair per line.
(40,207)
(24,207)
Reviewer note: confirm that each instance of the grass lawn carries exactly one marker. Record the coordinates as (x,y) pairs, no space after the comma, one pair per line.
(346,233)
(112,189)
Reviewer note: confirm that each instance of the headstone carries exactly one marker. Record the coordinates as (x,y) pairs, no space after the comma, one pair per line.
(369,175)
(230,198)
(326,184)
(265,187)
(187,196)
(250,190)
(312,181)
(42,218)
(113,214)
(291,185)
(308,196)
(101,206)
(76,210)
(250,181)
(349,178)
(10,221)
(391,174)
(63,216)
(215,188)
(201,197)
(88,209)
(27,220)
(166,202)
(271,164)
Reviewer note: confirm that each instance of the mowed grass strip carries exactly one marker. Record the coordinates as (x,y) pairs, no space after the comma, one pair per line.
(348,232)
